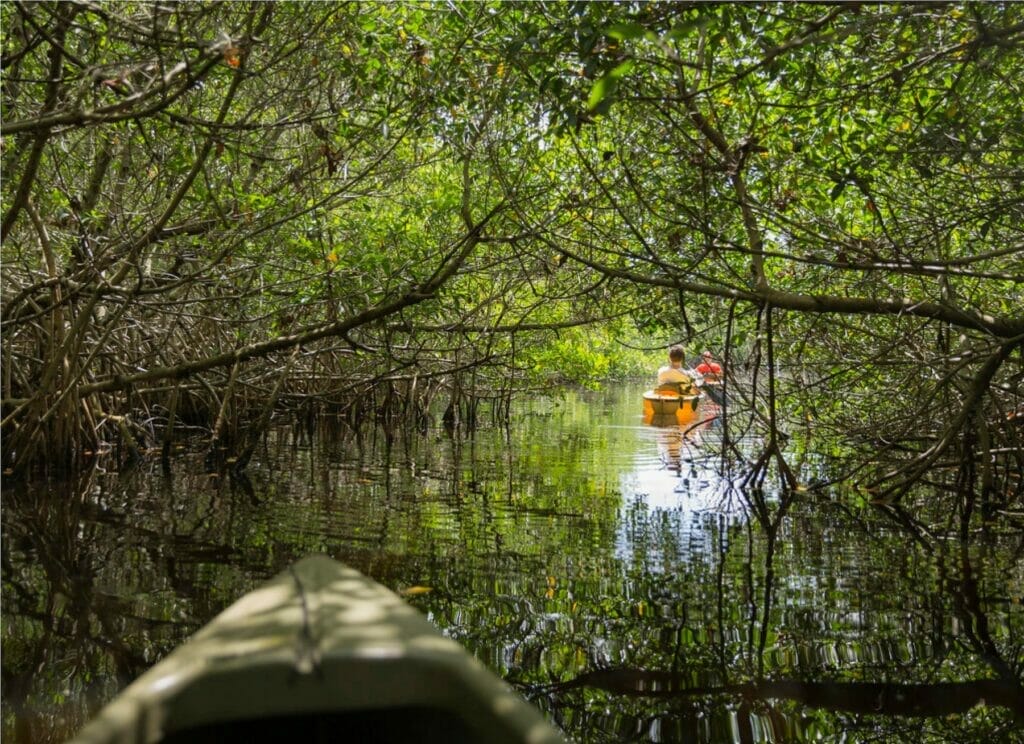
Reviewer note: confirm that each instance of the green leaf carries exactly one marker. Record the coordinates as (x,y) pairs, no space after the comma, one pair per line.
(626,31)
(622,70)
(603,88)
(607,84)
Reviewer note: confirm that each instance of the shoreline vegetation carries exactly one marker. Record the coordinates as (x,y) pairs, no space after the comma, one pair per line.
(213,214)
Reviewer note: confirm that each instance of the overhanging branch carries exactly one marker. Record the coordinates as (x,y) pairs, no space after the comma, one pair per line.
(413,296)
(998,327)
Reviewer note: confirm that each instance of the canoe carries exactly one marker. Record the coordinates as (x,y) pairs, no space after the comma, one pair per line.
(668,409)
(319,653)
(662,404)
(715,390)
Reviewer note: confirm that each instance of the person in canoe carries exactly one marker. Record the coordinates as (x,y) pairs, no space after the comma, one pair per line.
(708,368)
(672,377)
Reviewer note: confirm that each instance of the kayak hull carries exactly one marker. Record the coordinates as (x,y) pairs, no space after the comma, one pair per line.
(668,409)
(319,648)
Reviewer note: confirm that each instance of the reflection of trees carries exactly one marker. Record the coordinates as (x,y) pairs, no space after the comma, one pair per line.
(938,699)
(675,652)
(519,550)
(77,636)
(769,522)
(962,586)
(57,607)
(975,628)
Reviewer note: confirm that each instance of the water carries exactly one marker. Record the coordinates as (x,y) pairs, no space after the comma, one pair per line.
(615,573)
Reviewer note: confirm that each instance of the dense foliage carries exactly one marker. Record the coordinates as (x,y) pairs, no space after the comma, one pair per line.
(214,211)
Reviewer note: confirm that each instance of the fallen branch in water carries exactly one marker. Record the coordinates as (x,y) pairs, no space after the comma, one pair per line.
(879,698)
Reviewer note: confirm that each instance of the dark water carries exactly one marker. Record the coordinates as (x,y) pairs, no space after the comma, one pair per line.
(615,573)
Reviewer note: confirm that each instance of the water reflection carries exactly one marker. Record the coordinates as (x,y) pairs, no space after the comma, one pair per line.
(684,469)
(614,571)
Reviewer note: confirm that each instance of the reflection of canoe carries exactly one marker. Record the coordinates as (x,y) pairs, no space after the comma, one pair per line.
(317,654)
(662,419)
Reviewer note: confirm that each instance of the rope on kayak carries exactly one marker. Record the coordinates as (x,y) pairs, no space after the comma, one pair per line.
(307,657)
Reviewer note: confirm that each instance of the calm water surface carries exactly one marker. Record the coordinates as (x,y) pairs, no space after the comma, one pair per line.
(615,573)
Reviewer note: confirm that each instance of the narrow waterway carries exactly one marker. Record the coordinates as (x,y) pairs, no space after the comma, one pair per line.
(615,573)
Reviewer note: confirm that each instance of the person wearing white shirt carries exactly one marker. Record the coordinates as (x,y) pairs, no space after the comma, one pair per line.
(673,375)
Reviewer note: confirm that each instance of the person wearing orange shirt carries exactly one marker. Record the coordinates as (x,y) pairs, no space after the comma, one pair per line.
(708,367)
